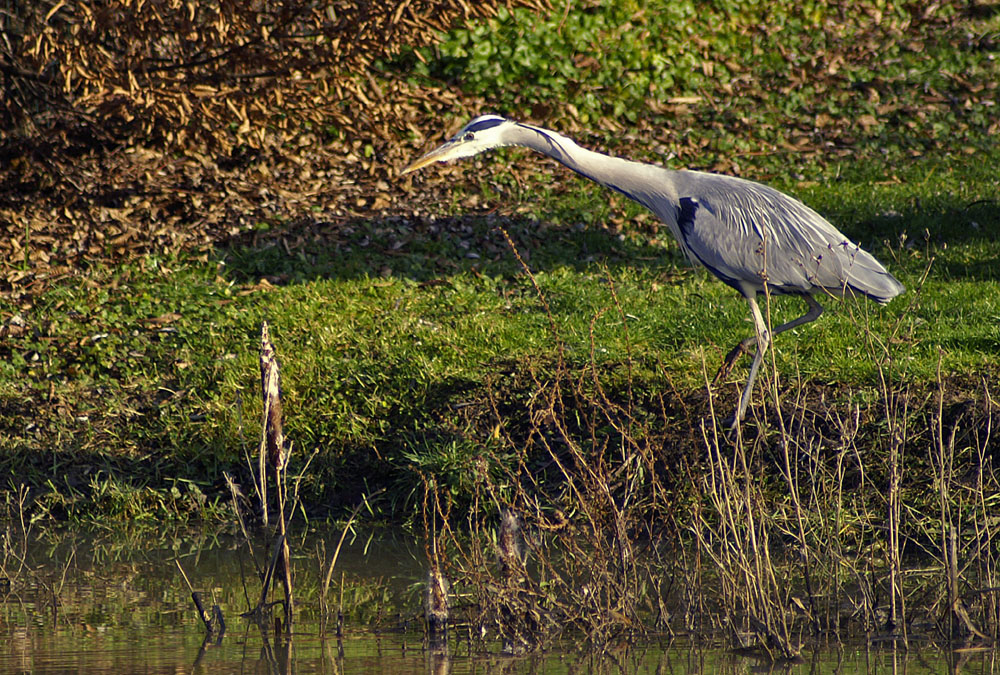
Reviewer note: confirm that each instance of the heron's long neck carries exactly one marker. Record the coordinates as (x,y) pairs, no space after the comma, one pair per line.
(629,178)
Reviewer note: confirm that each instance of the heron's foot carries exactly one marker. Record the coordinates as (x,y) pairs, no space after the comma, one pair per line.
(733,424)
(727,364)
(728,429)
(728,424)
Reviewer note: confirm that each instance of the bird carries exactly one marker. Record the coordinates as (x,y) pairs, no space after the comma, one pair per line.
(752,237)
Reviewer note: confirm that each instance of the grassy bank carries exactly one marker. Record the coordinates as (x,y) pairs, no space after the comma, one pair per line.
(128,395)
(128,382)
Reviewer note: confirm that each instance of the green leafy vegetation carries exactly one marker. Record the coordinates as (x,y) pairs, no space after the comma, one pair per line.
(819,79)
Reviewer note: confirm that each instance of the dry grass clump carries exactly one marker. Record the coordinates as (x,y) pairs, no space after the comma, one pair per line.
(771,544)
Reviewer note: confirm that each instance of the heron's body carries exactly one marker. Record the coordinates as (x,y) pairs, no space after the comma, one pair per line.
(747,234)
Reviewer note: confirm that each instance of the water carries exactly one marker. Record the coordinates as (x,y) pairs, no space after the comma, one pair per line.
(173,650)
(121,606)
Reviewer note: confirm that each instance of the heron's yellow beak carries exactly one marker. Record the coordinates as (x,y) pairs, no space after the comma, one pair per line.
(441,154)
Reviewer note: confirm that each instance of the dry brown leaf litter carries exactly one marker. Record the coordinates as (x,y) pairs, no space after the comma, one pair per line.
(143,126)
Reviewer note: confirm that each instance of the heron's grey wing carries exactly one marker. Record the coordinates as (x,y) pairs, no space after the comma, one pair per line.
(745,232)
(736,248)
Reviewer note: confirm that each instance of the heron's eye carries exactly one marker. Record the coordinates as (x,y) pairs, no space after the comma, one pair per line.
(469,136)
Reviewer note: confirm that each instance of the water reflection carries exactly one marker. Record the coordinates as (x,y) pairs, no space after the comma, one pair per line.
(119,606)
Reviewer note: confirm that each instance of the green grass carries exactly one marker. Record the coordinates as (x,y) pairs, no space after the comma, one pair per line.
(135,390)
(153,365)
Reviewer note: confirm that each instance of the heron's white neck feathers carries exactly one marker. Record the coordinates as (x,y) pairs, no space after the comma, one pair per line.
(633,179)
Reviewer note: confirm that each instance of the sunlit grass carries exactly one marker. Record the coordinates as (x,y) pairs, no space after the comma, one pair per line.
(154,364)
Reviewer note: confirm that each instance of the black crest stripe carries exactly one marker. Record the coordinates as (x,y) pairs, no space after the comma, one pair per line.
(485,124)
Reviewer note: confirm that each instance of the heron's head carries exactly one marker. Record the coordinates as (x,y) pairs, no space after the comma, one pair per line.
(480,134)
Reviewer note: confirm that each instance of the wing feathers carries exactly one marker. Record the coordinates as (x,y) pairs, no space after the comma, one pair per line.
(746,231)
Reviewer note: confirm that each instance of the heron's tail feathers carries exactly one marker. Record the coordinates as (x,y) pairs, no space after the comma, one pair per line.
(867,276)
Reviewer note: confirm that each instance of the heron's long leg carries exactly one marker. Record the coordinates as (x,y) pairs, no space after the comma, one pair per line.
(763,339)
(815,309)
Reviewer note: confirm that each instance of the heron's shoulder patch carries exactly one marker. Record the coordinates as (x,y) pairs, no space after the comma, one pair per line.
(686,214)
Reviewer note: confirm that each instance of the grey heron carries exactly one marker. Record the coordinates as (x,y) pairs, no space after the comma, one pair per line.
(750,236)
